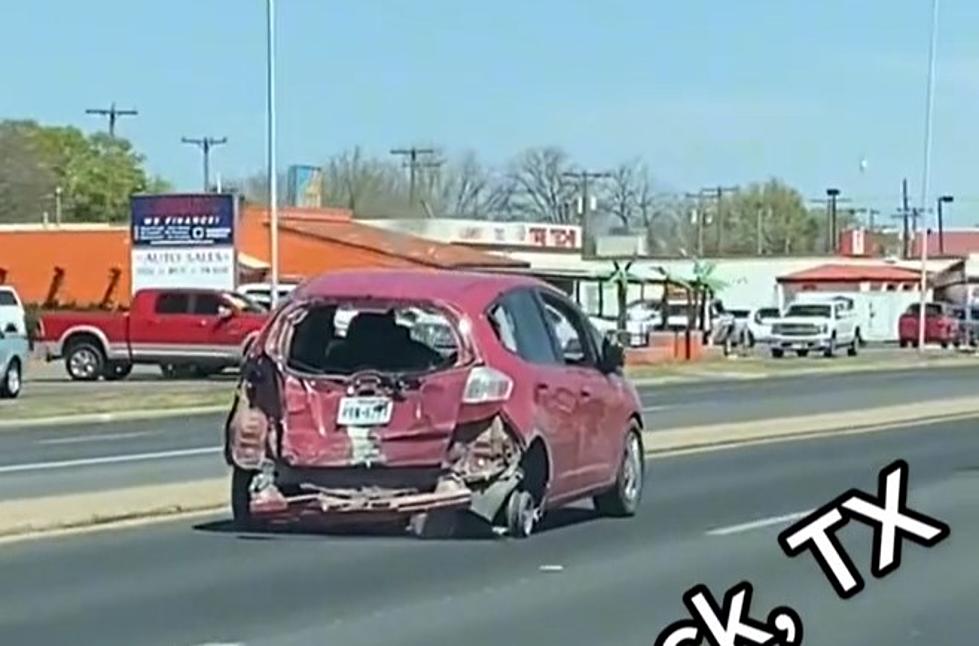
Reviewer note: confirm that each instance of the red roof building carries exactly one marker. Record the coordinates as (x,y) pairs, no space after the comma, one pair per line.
(851,278)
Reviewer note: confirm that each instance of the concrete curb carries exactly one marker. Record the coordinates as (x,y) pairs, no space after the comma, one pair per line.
(105,418)
(718,376)
(26,518)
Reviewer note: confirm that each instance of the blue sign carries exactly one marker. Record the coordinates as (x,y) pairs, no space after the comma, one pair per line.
(304,186)
(186,220)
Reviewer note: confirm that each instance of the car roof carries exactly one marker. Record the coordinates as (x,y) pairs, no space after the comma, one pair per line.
(462,288)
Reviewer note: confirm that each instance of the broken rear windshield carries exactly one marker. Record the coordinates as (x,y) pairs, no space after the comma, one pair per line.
(338,339)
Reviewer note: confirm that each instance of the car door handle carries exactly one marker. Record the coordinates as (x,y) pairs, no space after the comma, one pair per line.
(542,388)
(585,393)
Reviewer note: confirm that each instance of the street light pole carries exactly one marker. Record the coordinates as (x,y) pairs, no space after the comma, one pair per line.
(926,171)
(273,179)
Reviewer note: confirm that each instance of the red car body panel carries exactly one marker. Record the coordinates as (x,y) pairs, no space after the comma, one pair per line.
(579,415)
(145,335)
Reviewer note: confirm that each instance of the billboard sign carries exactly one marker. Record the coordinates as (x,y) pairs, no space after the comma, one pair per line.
(305,186)
(183,220)
(185,240)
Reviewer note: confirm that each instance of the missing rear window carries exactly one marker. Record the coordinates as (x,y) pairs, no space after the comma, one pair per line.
(342,339)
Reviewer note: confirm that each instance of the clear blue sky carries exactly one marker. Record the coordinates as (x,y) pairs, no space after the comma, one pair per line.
(708,91)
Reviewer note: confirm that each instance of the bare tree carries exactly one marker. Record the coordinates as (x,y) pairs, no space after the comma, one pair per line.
(621,194)
(538,190)
(367,186)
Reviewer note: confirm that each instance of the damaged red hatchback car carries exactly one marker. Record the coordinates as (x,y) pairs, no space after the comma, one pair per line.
(420,396)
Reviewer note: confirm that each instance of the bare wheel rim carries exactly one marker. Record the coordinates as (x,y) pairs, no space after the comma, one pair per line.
(83,363)
(13,379)
(632,470)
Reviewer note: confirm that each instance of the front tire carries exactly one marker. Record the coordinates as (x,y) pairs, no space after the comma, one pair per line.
(623,498)
(12,379)
(852,350)
(778,353)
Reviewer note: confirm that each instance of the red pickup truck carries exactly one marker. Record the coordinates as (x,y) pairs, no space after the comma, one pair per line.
(187,332)
(941,325)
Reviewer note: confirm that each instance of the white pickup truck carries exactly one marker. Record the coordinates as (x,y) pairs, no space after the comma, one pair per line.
(815,325)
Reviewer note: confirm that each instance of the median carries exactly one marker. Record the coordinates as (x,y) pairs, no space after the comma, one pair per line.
(38,516)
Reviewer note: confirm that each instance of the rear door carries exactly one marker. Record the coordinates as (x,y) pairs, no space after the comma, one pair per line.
(555,389)
(597,432)
(164,328)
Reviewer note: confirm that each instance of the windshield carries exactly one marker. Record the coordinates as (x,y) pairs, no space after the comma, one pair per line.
(823,311)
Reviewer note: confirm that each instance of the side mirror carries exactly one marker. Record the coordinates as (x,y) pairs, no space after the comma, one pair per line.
(613,357)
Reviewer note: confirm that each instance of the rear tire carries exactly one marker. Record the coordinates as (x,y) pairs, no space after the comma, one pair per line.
(521,516)
(830,350)
(778,353)
(84,361)
(624,497)
(904,343)
(241,481)
(11,381)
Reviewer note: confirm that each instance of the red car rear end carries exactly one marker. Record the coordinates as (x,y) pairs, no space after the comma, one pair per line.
(941,326)
(391,420)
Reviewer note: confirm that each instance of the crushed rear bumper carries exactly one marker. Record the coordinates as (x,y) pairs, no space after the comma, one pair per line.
(365,504)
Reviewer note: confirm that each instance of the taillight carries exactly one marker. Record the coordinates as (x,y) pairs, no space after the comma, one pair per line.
(486,385)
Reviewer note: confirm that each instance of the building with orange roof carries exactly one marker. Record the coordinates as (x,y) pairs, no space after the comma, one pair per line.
(89,265)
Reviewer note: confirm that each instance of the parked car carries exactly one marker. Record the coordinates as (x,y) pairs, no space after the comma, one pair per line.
(760,324)
(261,293)
(184,331)
(12,310)
(14,352)
(968,318)
(941,325)
(376,425)
(816,326)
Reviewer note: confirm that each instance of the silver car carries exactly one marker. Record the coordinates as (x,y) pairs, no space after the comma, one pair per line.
(14,348)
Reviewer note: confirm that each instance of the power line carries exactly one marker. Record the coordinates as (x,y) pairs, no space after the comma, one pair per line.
(112,113)
(414,163)
(583,178)
(205,143)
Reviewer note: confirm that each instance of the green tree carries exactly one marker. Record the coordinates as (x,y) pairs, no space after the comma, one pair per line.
(97,174)
(771,218)
(26,182)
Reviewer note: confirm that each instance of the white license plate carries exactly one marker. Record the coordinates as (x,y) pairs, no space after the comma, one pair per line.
(364,411)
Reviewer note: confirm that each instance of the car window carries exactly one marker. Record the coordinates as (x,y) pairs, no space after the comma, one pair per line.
(206,304)
(809,310)
(173,303)
(571,330)
(243,303)
(504,327)
(7,298)
(767,313)
(534,343)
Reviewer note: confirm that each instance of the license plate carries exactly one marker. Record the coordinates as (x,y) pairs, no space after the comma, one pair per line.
(364,411)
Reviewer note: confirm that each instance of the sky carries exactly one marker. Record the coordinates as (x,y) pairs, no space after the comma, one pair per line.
(707,92)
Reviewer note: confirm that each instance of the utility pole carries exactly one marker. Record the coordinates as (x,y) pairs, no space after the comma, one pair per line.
(699,212)
(582,178)
(717,192)
(832,201)
(112,113)
(205,143)
(905,210)
(414,164)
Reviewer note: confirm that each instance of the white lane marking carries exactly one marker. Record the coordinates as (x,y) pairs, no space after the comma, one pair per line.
(103,437)
(757,524)
(109,459)
(551,568)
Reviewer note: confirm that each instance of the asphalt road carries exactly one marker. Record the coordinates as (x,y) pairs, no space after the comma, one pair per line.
(707,518)
(40,461)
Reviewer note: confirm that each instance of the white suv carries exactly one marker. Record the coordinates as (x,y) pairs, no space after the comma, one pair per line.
(12,311)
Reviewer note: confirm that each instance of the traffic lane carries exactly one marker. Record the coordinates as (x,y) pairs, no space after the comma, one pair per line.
(608,581)
(693,404)
(38,445)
